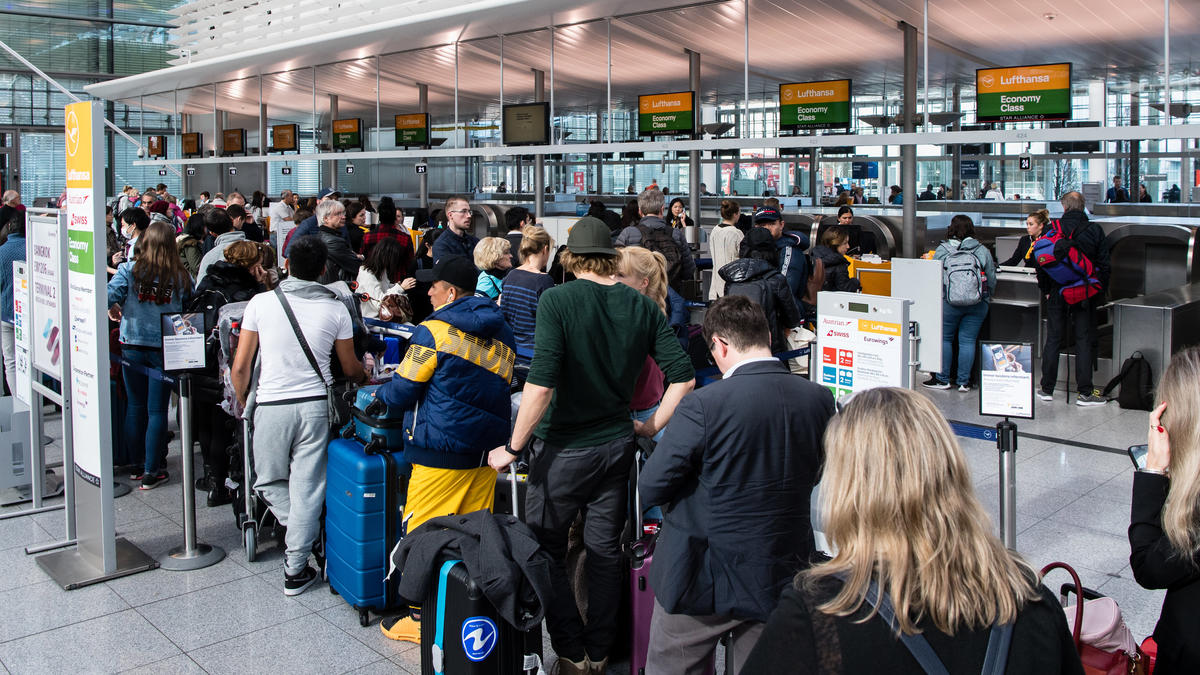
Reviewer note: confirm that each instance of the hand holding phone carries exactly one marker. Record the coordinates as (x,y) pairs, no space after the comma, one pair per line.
(1137,453)
(1158,453)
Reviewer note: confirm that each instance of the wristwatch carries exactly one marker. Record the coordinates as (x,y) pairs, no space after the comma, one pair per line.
(509,449)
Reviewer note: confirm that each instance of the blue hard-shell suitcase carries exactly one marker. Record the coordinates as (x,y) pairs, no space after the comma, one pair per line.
(382,429)
(364,498)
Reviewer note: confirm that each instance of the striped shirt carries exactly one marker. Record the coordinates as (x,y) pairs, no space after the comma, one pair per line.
(522,290)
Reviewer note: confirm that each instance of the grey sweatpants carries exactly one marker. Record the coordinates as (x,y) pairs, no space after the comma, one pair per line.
(289,458)
(683,644)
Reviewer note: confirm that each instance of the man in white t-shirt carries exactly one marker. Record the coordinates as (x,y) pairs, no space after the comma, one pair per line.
(291,423)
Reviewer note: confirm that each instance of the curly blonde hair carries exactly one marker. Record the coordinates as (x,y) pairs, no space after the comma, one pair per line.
(490,250)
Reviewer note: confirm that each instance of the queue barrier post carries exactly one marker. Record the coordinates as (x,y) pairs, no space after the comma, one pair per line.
(1006,443)
(192,555)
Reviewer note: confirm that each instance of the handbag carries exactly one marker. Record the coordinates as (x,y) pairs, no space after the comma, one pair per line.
(339,410)
(1104,643)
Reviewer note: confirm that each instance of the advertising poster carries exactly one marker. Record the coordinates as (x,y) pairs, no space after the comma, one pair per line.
(858,354)
(1023,93)
(666,114)
(183,341)
(21,331)
(46,326)
(815,105)
(1006,380)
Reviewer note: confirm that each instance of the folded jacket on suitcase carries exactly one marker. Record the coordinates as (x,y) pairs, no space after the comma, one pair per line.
(501,555)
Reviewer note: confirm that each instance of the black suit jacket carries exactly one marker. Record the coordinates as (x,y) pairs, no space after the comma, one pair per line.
(735,470)
(1155,565)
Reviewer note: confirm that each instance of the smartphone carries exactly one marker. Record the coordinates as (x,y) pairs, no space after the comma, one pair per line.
(1137,453)
(999,357)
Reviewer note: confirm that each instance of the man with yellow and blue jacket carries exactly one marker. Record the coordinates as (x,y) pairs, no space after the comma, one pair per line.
(454,386)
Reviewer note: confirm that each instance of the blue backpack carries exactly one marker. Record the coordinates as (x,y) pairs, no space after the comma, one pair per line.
(1069,267)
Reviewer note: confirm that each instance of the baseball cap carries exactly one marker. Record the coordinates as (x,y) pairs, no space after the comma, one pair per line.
(767,215)
(455,270)
(326,192)
(590,235)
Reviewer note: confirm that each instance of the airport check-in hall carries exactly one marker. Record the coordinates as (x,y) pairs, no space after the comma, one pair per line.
(891,136)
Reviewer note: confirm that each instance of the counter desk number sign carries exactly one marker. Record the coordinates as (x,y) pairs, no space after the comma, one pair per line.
(233,171)
(191,171)
(287,170)
(1006,380)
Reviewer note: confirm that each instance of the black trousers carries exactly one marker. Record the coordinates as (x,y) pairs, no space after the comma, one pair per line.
(563,481)
(214,433)
(1083,320)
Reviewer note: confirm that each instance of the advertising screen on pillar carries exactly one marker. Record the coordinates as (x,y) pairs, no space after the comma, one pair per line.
(284,137)
(814,105)
(1023,93)
(667,114)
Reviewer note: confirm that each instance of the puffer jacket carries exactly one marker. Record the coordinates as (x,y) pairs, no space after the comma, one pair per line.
(837,271)
(454,386)
(778,303)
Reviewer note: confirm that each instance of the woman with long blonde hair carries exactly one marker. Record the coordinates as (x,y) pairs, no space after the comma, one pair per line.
(645,271)
(156,282)
(1164,529)
(909,533)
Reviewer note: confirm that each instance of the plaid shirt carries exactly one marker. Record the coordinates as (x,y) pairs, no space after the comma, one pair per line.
(386,232)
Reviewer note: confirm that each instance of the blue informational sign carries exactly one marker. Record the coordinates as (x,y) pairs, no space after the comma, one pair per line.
(829,375)
(969,169)
(864,170)
(479,636)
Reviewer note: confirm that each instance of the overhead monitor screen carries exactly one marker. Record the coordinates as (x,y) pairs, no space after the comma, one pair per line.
(284,137)
(814,105)
(156,147)
(191,143)
(412,129)
(1024,93)
(233,141)
(527,124)
(347,134)
(667,114)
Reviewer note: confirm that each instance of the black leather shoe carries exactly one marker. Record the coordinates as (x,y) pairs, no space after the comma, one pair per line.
(219,496)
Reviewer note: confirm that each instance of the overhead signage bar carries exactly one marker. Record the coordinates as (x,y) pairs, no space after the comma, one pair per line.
(667,114)
(285,138)
(191,144)
(412,129)
(823,104)
(347,134)
(233,142)
(1024,93)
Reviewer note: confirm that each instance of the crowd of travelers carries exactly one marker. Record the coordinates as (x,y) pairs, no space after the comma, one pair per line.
(594,336)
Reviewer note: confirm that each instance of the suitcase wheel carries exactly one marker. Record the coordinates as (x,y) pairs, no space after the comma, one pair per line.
(364,617)
(250,541)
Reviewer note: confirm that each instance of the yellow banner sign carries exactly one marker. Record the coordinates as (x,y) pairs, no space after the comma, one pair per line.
(656,103)
(1024,78)
(79,145)
(814,92)
(345,126)
(868,326)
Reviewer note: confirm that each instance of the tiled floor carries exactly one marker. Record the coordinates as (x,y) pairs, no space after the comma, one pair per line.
(1073,505)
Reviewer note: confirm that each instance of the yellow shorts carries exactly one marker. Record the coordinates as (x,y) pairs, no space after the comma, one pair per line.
(446,492)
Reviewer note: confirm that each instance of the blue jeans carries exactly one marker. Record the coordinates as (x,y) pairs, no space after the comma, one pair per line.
(965,322)
(146,409)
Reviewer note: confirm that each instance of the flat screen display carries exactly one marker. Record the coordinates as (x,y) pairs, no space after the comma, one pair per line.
(191,144)
(1023,93)
(412,129)
(156,147)
(347,134)
(233,141)
(285,137)
(824,104)
(527,124)
(667,114)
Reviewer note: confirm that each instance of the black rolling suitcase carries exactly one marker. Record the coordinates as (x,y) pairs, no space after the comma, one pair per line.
(463,634)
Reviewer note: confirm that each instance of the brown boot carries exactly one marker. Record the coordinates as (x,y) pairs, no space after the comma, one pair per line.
(567,667)
(598,667)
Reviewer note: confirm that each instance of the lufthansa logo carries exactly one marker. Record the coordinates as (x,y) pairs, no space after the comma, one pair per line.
(987,80)
(787,94)
(479,636)
(72,133)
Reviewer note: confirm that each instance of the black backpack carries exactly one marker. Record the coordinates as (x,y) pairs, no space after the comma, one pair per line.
(756,289)
(660,239)
(1136,382)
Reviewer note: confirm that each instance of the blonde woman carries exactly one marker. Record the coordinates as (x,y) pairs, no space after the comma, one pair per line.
(645,271)
(901,513)
(1164,530)
(493,257)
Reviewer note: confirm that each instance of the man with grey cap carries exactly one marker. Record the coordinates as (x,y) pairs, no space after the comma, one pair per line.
(591,341)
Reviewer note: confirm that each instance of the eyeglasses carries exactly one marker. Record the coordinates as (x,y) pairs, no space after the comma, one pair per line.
(712,344)
(460,211)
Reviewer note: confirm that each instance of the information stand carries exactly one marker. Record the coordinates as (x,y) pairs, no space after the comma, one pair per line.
(1006,390)
(862,341)
(98,555)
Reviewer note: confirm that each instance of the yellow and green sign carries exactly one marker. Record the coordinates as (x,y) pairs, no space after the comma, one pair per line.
(814,105)
(347,134)
(1023,93)
(412,129)
(667,114)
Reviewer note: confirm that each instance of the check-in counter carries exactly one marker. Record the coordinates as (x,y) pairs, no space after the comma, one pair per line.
(868,234)
(1157,325)
(1015,313)
(875,277)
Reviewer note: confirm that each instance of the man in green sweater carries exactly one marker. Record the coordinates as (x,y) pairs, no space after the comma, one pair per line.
(590,343)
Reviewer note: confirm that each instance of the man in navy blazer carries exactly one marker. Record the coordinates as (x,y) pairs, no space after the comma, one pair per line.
(734,472)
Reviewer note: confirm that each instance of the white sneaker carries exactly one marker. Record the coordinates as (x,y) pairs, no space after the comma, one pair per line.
(1045,395)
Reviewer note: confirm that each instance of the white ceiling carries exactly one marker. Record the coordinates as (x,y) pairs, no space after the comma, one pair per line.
(790,40)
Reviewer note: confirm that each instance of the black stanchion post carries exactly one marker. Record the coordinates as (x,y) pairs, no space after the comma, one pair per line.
(1006,442)
(192,555)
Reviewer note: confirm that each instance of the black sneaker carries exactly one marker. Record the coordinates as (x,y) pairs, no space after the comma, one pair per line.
(1092,399)
(295,584)
(151,481)
(219,496)
(1045,395)
(934,383)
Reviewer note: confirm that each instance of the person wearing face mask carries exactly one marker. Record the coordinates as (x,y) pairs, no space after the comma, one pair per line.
(133,224)
(1035,225)
(523,287)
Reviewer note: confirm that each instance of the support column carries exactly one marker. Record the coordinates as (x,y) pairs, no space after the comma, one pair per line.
(1135,147)
(693,234)
(539,161)
(956,152)
(262,144)
(423,178)
(185,183)
(812,177)
(908,153)
(330,169)
(598,186)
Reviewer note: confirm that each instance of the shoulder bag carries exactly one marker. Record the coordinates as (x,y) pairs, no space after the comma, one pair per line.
(339,414)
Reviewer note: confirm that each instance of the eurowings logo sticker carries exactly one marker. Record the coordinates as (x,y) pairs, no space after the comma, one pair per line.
(479,636)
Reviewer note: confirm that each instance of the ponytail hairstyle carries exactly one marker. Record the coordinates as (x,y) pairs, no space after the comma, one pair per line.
(729,210)
(642,263)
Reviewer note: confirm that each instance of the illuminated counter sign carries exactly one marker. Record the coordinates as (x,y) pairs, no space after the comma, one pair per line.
(191,143)
(1023,93)
(233,141)
(412,129)
(667,114)
(347,134)
(284,137)
(814,105)
(156,147)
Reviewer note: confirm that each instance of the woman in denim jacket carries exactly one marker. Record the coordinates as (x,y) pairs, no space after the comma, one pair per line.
(140,292)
